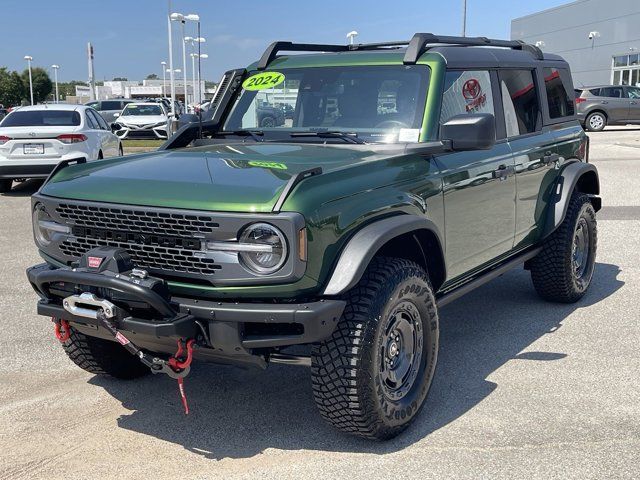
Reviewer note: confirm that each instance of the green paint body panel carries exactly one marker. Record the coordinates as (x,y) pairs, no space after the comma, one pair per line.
(359,185)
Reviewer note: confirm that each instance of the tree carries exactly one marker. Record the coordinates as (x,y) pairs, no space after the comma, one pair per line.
(152,76)
(42,85)
(12,89)
(120,79)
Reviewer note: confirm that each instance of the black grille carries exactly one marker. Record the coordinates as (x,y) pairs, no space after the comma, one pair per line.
(140,221)
(147,256)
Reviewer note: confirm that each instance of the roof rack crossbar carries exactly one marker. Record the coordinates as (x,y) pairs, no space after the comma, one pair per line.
(421,42)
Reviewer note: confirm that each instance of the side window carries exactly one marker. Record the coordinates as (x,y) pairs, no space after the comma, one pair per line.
(466,91)
(633,92)
(91,123)
(98,120)
(520,102)
(94,105)
(613,92)
(560,102)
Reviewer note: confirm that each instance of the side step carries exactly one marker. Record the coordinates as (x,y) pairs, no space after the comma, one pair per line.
(486,277)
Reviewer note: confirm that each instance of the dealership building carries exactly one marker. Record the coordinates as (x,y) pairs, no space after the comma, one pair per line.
(599,38)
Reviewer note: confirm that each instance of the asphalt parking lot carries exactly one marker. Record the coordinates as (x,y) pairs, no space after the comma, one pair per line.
(523,389)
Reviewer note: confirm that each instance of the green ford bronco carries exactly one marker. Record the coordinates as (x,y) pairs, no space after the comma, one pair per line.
(408,174)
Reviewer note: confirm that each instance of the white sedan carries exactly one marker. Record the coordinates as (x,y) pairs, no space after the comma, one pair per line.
(33,140)
(142,120)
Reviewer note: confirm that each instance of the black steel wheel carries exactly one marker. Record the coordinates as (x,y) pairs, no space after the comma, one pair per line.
(372,376)
(563,270)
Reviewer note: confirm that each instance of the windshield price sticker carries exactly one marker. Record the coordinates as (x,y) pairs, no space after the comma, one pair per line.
(263,80)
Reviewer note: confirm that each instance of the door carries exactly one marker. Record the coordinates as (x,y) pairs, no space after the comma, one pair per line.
(533,146)
(109,142)
(634,104)
(615,102)
(479,186)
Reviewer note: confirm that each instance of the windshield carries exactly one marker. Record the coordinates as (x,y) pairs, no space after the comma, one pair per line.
(145,110)
(42,118)
(375,103)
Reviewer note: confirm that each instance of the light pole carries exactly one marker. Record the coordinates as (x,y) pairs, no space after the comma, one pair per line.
(173,85)
(203,56)
(172,73)
(464,18)
(164,79)
(55,76)
(193,71)
(178,17)
(351,36)
(29,59)
(193,41)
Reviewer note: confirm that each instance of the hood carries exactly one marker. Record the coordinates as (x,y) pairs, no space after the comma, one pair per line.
(141,119)
(235,177)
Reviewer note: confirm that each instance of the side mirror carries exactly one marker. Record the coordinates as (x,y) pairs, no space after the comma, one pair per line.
(474,131)
(187,118)
(115,127)
(116,115)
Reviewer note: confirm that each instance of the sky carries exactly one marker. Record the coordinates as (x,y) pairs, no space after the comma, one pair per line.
(130,36)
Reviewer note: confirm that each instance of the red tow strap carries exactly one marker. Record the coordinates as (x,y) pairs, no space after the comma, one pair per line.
(177,364)
(61,329)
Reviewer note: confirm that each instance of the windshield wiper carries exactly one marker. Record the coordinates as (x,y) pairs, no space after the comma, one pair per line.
(255,134)
(349,137)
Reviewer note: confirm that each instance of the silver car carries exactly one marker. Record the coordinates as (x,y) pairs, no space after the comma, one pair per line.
(603,105)
(108,108)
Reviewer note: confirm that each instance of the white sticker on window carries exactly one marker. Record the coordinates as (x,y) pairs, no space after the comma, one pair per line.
(409,135)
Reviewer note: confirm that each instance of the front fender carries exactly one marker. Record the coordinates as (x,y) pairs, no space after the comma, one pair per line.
(584,175)
(363,246)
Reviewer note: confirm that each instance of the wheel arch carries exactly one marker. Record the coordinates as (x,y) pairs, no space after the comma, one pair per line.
(577,176)
(405,236)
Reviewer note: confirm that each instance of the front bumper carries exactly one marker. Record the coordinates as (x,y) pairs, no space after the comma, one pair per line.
(133,131)
(233,331)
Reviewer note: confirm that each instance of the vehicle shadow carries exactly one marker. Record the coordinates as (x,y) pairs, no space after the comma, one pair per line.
(239,413)
(24,189)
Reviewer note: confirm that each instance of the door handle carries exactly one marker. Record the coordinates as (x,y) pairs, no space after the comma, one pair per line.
(550,158)
(604,102)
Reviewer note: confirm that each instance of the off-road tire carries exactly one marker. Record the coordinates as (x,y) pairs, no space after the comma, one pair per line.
(5,185)
(553,270)
(346,372)
(102,357)
(268,122)
(595,126)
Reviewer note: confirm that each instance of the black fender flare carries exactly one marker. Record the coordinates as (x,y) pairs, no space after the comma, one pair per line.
(563,189)
(362,247)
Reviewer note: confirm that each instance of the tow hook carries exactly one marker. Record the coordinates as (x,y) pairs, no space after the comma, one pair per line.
(177,366)
(61,329)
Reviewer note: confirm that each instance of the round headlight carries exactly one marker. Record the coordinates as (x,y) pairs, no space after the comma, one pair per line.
(40,218)
(270,251)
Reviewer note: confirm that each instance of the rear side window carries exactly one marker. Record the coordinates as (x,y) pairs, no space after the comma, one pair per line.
(42,118)
(561,103)
(91,123)
(466,91)
(520,102)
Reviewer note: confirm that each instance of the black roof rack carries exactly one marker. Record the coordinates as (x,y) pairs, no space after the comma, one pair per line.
(419,44)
